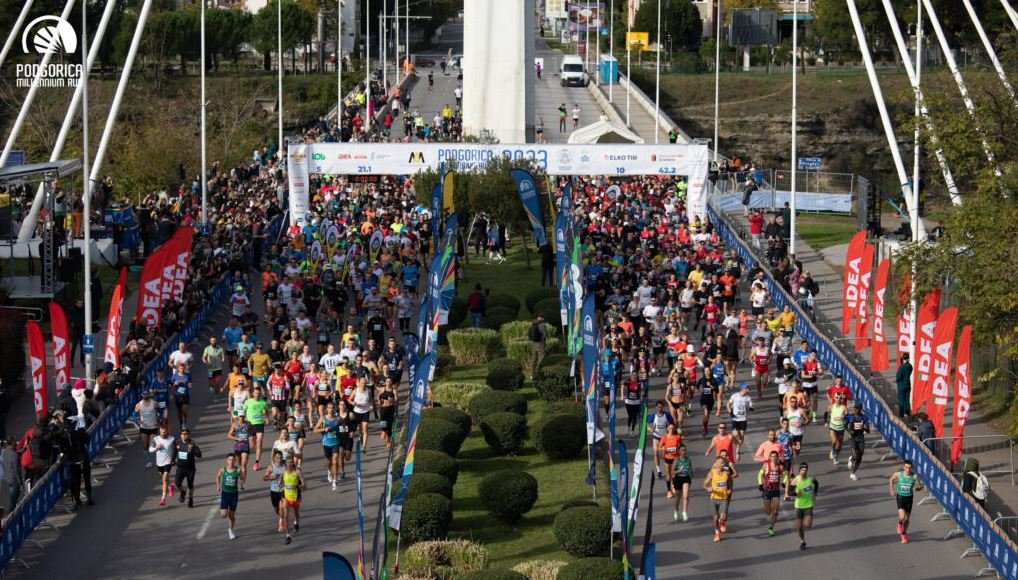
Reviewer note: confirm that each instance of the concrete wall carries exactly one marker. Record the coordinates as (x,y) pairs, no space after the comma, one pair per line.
(498,76)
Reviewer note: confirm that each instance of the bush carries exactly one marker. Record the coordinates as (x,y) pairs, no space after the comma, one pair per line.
(437,434)
(456,394)
(521,349)
(443,363)
(454,416)
(424,482)
(600,568)
(504,375)
(474,346)
(508,494)
(504,432)
(427,461)
(578,503)
(426,517)
(560,436)
(519,328)
(538,294)
(554,383)
(507,301)
(444,558)
(489,402)
(495,317)
(457,311)
(492,574)
(551,309)
(540,569)
(565,408)
(556,359)
(584,531)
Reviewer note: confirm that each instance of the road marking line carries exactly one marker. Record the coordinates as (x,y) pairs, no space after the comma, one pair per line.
(208,521)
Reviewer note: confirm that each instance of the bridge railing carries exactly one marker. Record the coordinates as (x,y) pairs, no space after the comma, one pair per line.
(990,539)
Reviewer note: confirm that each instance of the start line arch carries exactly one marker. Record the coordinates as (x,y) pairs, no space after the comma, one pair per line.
(304,160)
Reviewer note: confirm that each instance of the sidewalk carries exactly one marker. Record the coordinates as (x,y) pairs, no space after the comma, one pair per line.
(1003,496)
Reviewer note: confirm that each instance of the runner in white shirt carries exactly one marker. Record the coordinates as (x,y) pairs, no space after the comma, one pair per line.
(181,357)
(148,423)
(285,290)
(739,405)
(238,300)
(329,361)
(644,293)
(162,446)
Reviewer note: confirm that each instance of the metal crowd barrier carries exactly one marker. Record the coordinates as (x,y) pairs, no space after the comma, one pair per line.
(998,548)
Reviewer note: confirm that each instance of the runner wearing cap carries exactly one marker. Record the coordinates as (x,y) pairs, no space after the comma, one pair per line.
(718,484)
(785,378)
(180,382)
(657,426)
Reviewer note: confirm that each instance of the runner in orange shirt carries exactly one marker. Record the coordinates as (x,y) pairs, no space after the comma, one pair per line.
(668,448)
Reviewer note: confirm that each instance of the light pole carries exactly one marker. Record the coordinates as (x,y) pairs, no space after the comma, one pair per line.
(339,65)
(657,80)
(717,78)
(611,50)
(279,88)
(795,126)
(204,185)
(86,194)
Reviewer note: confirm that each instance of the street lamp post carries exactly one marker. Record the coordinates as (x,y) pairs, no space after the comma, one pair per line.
(86,192)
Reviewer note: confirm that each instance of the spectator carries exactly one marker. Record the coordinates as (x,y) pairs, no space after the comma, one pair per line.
(975,483)
(538,335)
(10,483)
(475,305)
(903,380)
(925,432)
(548,265)
(756,221)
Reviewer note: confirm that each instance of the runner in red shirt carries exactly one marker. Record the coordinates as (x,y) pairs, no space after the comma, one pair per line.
(761,365)
(723,441)
(279,392)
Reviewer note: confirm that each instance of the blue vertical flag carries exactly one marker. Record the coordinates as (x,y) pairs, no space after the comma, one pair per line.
(623,485)
(613,468)
(449,233)
(590,375)
(562,264)
(418,398)
(576,292)
(526,186)
(648,562)
(436,210)
(361,575)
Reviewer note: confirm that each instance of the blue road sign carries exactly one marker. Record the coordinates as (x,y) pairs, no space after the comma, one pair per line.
(810,163)
(88,344)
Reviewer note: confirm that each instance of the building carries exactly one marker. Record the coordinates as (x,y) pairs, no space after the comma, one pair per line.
(708,8)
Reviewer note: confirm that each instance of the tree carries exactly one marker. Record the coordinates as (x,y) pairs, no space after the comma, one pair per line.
(297,25)
(225,31)
(679,18)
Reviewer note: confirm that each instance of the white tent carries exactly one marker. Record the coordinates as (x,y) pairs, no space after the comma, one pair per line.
(604,132)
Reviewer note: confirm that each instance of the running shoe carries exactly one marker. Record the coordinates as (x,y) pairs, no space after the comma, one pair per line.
(802,545)
(181,497)
(162,501)
(770,531)
(296,527)
(717,536)
(328,477)
(229,532)
(333,486)
(190,501)
(904,538)
(148,465)
(288,540)
(669,494)
(830,454)
(724,527)
(685,516)
(900,529)
(854,477)
(171,490)
(257,466)
(836,461)
(675,515)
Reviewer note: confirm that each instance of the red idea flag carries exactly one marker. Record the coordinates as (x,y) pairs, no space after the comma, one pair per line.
(37,365)
(862,339)
(150,285)
(926,323)
(181,259)
(61,358)
(850,290)
(962,393)
(905,316)
(168,267)
(112,353)
(878,355)
(940,382)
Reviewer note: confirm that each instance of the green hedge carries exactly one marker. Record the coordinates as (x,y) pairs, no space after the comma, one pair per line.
(504,432)
(425,517)
(556,359)
(457,311)
(492,574)
(444,558)
(584,531)
(508,494)
(456,394)
(437,434)
(538,294)
(443,364)
(521,349)
(427,461)
(520,328)
(507,301)
(504,375)
(600,568)
(489,402)
(452,415)
(424,482)
(554,383)
(495,317)
(540,569)
(560,436)
(474,346)
(551,309)
(565,408)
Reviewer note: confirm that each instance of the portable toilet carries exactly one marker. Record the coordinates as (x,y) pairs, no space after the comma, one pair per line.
(609,69)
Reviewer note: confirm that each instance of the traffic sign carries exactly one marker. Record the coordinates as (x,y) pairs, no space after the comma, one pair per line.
(88,344)
(810,163)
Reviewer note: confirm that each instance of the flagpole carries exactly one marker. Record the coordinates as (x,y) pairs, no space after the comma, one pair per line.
(367,68)
(279,74)
(629,51)
(339,63)
(399,75)
(717,78)
(795,122)
(86,194)
(204,186)
(611,50)
(657,80)
(383,46)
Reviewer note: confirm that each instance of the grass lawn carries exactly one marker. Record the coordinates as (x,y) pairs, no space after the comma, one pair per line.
(558,481)
(824,231)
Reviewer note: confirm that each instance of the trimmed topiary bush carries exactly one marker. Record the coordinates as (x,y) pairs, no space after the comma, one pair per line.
(427,461)
(599,568)
(507,301)
(584,531)
(577,503)
(452,415)
(504,375)
(540,569)
(495,317)
(560,436)
(556,359)
(538,294)
(456,395)
(443,364)
(438,434)
(489,402)
(508,494)
(554,383)
(492,574)
(504,432)
(520,328)
(551,310)
(444,558)
(425,517)
(424,482)
(457,312)
(565,408)
(474,346)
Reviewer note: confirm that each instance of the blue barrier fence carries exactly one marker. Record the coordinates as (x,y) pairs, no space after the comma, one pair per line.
(999,551)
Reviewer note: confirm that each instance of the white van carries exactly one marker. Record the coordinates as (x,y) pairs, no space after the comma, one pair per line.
(571,72)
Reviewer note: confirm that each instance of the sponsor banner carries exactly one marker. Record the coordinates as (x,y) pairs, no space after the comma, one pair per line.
(878,355)
(61,358)
(850,291)
(585,16)
(925,327)
(182,258)
(297,174)
(962,393)
(37,359)
(940,381)
(448,189)
(112,353)
(862,339)
(767,199)
(590,366)
(526,186)
(150,285)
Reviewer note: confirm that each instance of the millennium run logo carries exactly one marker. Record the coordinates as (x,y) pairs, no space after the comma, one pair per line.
(48,35)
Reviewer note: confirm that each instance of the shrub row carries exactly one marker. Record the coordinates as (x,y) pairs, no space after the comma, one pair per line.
(504,375)
(456,395)
(474,346)
(504,432)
